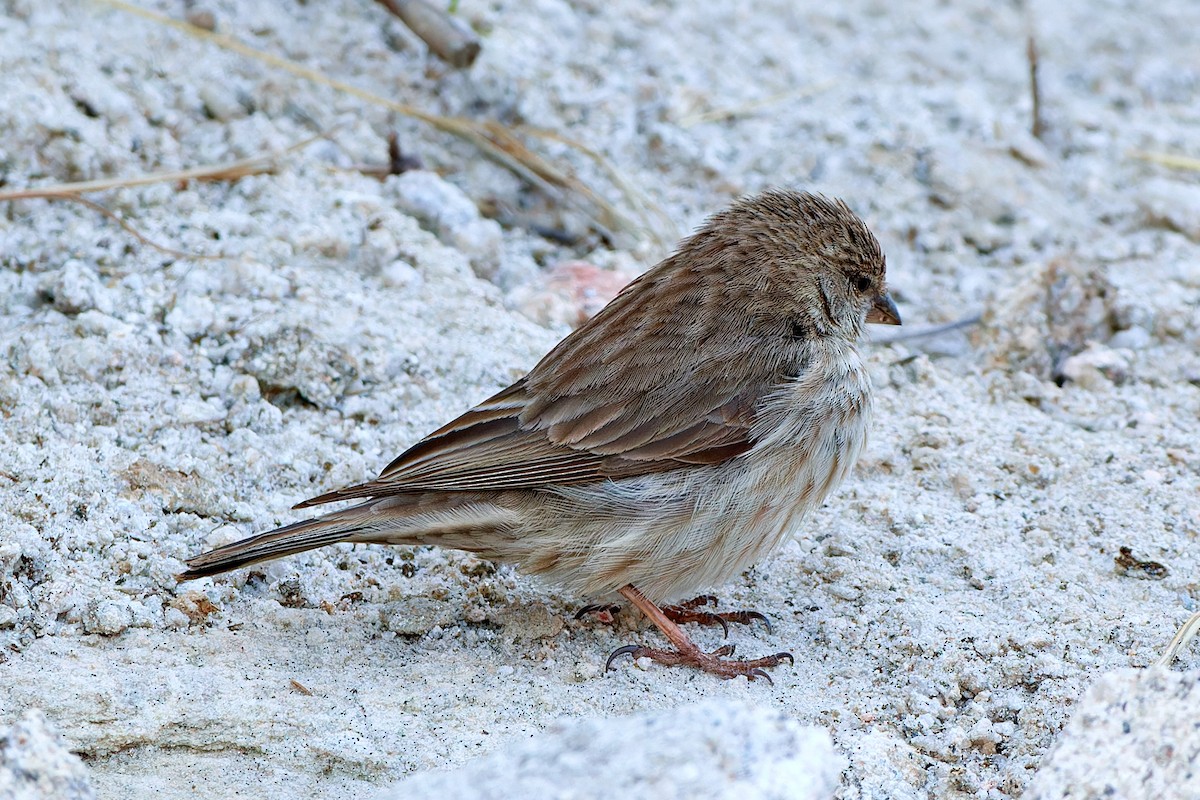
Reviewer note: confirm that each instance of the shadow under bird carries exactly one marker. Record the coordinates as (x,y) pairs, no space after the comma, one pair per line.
(665,446)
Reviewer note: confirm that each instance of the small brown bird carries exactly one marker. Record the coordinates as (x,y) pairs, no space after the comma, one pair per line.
(668,444)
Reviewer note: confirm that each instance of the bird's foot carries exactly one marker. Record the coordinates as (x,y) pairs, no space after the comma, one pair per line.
(713,663)
(693,611)
(686,653)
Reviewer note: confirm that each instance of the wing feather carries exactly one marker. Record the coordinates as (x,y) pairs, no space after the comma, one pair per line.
(594,410)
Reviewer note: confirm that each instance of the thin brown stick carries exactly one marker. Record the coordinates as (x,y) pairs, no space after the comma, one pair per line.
(397,164)
(448,38)
(1038,127)
(718,114)
(132,231)
(231,171)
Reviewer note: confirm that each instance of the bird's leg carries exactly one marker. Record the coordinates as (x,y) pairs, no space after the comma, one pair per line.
(686,653)
(690,611)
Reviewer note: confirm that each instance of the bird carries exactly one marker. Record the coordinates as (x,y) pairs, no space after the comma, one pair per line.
(666,445)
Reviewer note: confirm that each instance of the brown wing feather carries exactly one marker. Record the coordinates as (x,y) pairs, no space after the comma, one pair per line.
(592,411)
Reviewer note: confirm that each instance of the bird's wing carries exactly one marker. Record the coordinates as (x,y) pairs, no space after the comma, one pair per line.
(594,408)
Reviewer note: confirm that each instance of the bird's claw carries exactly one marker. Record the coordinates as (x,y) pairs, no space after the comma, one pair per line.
(629,650)
(748,617)
(688,612)
(759,673)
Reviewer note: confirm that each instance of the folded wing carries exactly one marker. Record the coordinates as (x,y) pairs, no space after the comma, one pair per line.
(594,409)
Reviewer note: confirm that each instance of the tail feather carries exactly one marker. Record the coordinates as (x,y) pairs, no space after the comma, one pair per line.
(288,540)
(463,520)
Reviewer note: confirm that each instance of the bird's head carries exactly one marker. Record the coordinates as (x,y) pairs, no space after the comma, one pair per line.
(804,258)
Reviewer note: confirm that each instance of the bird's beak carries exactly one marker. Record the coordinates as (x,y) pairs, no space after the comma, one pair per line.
(884,310)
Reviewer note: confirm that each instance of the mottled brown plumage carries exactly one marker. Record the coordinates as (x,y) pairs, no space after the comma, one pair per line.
(670,442)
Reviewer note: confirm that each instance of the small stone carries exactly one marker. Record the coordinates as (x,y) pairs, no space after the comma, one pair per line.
(76,288)
(244,388)
(1172,205)
(569,294)
(416,616)
(400,275)
(1096,367)
(983,738)
(1134,338)
(221,102)
(451,214)
(527,623)
(202,18)
(295,360)
(175,619)
(107,617)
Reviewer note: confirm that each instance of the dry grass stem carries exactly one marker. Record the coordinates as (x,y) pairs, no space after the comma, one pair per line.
(1185,635)
(729,112)
(232,171)
(132,231)
(1168,160)
(490,138)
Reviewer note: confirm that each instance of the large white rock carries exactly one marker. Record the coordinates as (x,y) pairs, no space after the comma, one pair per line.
(1136,734)
(35,764)
(711,750)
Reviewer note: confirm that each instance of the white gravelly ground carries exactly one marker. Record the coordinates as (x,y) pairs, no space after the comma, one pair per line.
(948,608)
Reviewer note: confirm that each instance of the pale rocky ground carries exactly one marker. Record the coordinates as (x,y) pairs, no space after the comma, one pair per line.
(949,608)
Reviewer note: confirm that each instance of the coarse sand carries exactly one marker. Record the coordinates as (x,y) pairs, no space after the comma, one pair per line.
(962,612)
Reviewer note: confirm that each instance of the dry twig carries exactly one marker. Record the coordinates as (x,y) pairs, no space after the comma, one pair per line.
(448,37)
(743,109)
(398,162)
(1038,127)
(132,231)
(231,171)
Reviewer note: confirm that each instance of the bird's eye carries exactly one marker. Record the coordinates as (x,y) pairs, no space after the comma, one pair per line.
(862,283)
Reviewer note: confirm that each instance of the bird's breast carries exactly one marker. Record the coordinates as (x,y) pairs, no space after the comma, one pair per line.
(810,432)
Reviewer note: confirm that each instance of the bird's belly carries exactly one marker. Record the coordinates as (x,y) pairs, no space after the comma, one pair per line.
(674,533)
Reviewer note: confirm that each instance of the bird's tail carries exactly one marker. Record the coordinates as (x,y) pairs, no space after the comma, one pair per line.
(469,521)
(285,541)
